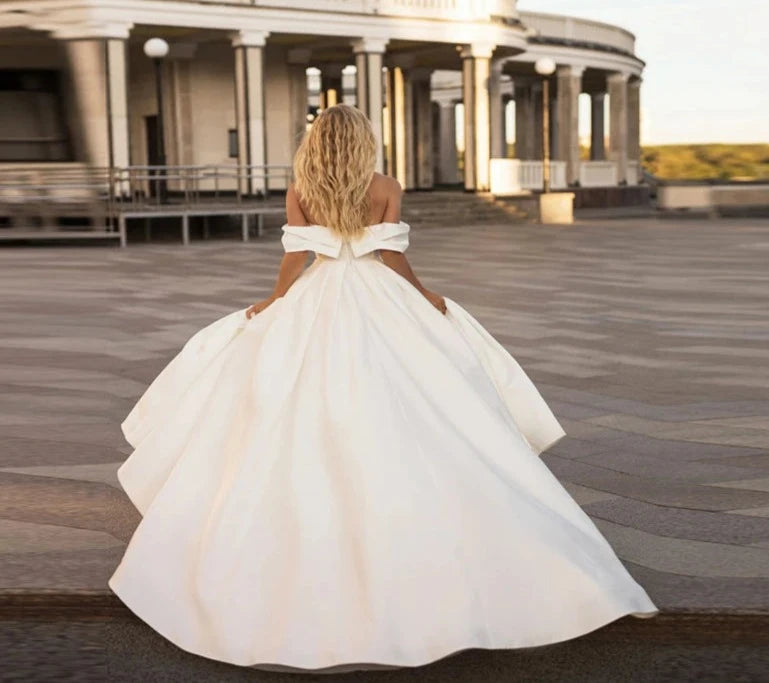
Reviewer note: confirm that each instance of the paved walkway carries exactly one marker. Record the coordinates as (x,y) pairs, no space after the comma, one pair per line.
(647,337)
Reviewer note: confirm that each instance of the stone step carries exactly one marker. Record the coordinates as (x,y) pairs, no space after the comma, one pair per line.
(445,208)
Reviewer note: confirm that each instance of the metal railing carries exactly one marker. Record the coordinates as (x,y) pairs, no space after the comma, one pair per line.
(597,173)
(532,175)
(39,195)
(194,184)
(43,194)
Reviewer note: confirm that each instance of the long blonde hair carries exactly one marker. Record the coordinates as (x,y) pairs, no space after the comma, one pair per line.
(333,168)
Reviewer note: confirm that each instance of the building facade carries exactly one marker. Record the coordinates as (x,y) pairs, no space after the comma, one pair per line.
(439,79)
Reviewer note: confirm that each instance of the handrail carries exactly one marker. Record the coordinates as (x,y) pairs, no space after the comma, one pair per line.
(35,191)
(151,184)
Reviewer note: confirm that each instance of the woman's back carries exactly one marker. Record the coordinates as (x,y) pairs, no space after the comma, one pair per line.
(384,203)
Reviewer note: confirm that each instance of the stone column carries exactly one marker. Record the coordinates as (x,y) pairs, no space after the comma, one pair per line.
(249,109)
(506,100)
(401,109)
(330,85)
(396,151)
(98,72)
(618,116)
(181,133)
(448,169)
(569,89)
(408,118)
(554,120)
(298,60)
(524,120)
(538,122)
(597,128)
(369,63)
(117,102)
(423,128)
(634,119)
(498,149)
(476,69)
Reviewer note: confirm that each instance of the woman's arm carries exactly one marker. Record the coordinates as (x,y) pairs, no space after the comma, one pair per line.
(400,264)
(292,264)
(291,267)
(397,261)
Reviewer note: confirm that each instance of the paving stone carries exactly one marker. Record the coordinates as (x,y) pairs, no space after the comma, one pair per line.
(585,496)
(28,537)
(100,433)
(684,556)
(105,473)
(673,591)
(751,512)
(674,522)
(20,452)
(677,450)
(689,431)
(659,491)
(67,570)
(670,468)
(569,447)
(750,484)
(66,502)
(751,422)
(760,461)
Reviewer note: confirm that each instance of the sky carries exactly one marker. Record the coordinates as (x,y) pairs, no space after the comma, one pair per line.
(707,65)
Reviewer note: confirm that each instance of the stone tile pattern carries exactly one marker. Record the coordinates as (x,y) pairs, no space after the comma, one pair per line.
(648,338)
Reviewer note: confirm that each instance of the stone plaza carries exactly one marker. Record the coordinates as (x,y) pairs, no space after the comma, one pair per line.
(647,337)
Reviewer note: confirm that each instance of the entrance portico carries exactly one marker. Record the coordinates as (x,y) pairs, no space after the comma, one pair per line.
(236,93)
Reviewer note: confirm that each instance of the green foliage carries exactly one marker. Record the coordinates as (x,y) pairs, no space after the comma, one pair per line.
(699,162)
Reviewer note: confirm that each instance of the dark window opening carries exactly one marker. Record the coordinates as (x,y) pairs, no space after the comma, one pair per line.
(32,119)
(232,141)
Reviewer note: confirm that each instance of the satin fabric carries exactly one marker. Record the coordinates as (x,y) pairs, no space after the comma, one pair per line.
(350,478)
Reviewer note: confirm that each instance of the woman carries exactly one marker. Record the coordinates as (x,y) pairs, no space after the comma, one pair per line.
(345,474)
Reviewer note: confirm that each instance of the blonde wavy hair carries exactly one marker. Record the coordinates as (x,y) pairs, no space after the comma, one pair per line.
(333,169)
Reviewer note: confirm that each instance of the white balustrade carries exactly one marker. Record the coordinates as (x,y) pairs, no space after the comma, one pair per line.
(434,9)
(558,175)
(505,177)
(633,173)
(511,176)
(582,30)
(531,175)
(597,173)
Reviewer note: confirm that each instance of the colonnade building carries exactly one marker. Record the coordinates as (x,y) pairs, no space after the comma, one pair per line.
(447,84)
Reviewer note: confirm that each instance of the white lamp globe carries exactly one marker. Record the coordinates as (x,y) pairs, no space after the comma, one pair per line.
(156,48)
(544,66)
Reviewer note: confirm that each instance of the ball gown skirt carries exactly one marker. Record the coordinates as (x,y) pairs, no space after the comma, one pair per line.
(351,477)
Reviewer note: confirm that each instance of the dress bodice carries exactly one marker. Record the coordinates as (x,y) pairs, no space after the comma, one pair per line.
(323,240)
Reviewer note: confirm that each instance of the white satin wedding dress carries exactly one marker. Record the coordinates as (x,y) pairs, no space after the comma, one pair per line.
(352,477)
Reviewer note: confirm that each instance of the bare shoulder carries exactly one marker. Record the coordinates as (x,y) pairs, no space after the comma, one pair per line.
(291,195)
(385,187)
(294,213)
(386,192)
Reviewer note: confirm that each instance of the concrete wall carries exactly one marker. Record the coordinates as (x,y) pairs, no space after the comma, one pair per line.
(674,197)
(40,114)
(212,107)
(277,108)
